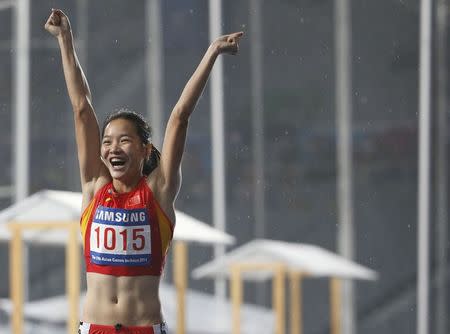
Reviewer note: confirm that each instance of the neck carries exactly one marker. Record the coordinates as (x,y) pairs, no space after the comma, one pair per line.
(124,186)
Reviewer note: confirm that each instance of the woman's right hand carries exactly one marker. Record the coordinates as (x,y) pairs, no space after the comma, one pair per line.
(58,23)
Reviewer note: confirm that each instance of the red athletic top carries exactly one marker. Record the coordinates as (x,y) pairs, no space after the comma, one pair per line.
(125,234)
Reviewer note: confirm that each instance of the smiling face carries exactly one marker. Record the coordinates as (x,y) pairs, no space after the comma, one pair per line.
(122,150)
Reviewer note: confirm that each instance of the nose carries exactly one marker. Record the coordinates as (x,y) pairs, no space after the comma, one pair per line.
(114,147)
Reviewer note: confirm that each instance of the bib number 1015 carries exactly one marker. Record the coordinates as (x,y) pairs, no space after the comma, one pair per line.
(111,238)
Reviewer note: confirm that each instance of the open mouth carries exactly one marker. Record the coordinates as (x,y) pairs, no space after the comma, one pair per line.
(117,163)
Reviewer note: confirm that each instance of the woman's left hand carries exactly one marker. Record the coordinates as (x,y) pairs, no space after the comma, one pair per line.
(228,43)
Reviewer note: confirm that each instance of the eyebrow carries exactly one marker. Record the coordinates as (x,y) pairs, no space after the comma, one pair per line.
(120,136)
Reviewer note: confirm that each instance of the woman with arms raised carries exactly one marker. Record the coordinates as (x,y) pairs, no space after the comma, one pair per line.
(129,190)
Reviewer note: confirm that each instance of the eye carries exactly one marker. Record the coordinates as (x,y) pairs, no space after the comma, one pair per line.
(106,142)
(124,140)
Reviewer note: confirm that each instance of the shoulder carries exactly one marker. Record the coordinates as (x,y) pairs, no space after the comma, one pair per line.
(163,188)
(168,187)
(161,194)
(91,189)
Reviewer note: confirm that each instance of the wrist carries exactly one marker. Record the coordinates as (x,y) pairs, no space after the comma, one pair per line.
(214,49)
(65,37)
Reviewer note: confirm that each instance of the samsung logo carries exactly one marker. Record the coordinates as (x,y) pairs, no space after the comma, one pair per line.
(121,216)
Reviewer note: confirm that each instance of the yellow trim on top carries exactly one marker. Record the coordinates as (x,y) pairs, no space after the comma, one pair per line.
(165,229)
(85,220)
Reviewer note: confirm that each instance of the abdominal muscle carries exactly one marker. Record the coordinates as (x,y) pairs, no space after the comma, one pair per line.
(126,300)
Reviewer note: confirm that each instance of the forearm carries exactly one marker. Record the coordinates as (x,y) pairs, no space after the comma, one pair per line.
(194,87)
(76,82)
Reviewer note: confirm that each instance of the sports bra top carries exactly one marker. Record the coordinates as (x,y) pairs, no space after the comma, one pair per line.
(125,234)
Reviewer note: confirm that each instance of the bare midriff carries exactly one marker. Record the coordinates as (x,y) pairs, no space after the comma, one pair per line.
(126,300)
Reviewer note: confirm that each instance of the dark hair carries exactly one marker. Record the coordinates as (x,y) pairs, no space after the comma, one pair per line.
(144,132)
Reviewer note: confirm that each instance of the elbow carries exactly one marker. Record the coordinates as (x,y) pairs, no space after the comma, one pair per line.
(182,113)
(81,106)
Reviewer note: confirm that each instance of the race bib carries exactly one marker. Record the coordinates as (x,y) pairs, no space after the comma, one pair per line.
(120,237)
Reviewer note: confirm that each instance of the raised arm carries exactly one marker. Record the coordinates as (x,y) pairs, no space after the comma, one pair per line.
(86,126)
(175,136)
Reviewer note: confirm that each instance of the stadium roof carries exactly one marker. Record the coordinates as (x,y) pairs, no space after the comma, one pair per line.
(309,259)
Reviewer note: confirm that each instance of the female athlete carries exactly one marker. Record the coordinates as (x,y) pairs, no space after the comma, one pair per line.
(129,190)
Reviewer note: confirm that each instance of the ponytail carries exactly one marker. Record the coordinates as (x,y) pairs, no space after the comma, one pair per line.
(152,162)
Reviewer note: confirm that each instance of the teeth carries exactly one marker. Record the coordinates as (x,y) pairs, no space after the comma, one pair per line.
(117,161)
